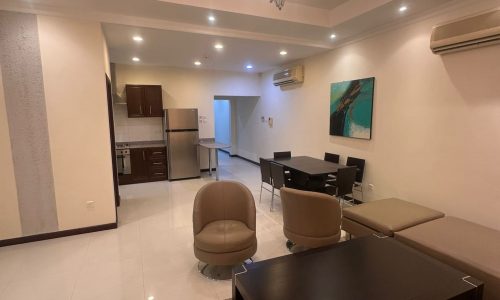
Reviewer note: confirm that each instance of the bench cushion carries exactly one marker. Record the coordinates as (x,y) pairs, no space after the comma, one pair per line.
(390,215)
(472,248)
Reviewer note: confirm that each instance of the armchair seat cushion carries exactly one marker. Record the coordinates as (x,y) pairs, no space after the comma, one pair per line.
(224,236)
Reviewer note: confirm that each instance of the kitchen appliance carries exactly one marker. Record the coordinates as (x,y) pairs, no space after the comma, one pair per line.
(181,136)
(123,160)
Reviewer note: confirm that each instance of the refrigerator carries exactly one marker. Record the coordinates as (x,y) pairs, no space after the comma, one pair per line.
(181,138)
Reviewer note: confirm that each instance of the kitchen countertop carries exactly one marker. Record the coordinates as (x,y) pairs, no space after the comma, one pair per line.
(141,144)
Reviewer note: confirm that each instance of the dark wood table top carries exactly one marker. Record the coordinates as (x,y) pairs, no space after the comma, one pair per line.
(309,165)
(364,268)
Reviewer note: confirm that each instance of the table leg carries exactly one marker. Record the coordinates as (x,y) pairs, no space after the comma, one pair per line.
(209,161)
(216,165)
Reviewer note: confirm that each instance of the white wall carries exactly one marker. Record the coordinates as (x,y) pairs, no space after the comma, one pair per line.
(436,119)
(73,64)
(222,120)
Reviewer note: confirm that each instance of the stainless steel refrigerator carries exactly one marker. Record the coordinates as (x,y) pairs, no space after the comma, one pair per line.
(181,137)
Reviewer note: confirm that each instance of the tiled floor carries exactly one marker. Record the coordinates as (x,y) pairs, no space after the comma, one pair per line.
(149,255)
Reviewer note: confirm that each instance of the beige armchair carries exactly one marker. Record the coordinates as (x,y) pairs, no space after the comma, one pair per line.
(310,219)
(224,224)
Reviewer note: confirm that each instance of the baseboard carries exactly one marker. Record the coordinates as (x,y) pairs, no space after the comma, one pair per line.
(206,170)
(57,234)
(246,159)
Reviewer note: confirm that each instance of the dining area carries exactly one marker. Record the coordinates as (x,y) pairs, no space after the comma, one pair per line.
(326,176)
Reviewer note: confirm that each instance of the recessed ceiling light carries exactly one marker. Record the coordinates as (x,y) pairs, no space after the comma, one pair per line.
(283,53)
(197,63)
(218,46)
(136,59)
(137,38)
(211,18)
(403,8)
(249,67)
(151,298)
(333,36)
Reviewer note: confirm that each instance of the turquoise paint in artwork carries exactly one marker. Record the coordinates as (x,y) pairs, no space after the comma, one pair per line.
(351,106)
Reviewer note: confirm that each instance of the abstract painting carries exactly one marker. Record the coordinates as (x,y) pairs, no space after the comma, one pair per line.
(351,106)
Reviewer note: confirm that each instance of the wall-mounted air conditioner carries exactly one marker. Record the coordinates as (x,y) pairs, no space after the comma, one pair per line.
(469,32)
(289,76)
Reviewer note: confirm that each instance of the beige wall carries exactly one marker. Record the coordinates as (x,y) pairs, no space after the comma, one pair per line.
(73,66)
(10,221)
(436,124)
(187,88)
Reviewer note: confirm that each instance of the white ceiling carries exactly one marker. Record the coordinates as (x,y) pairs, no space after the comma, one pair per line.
(177,32)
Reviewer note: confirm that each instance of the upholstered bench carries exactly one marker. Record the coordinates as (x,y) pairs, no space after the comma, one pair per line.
(385,216)
(469,247)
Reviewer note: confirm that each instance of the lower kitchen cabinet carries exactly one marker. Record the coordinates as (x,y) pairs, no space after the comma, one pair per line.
(146,164)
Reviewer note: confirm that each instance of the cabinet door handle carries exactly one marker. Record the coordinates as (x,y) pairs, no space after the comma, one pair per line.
(159,173)
(143,155)
(158,152)
(150,109)
(140,109)
(157,163)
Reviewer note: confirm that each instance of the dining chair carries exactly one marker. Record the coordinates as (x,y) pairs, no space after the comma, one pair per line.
(360,165)
(283,154)
(278,180)
(334,158)
(265,173)
(343,185)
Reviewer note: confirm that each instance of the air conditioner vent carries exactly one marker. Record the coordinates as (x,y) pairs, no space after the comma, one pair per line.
(289,76)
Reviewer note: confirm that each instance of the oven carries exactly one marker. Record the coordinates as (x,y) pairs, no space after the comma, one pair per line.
(123,161)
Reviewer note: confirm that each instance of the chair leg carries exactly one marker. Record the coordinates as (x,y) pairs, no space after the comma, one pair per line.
(272,200)
(260,198)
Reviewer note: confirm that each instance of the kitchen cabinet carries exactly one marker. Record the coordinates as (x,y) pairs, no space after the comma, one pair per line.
(144,101)
(147,164)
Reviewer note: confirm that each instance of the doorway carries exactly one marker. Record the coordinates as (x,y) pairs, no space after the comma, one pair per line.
(223,122)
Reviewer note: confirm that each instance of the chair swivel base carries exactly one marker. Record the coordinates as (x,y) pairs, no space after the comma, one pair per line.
(294,248)
(215,272)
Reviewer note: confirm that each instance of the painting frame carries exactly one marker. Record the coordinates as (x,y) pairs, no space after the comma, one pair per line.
(351,108)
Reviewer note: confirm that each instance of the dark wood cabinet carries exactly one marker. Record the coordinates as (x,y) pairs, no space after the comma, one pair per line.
(147,164)
(139,164)
(144,101)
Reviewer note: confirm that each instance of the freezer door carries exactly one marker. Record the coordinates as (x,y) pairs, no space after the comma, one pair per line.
(183,155)
(178,119)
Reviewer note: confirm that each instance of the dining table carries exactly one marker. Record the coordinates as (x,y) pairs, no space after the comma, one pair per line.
(308,165)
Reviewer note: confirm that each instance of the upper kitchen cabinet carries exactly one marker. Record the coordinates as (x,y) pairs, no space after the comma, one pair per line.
(144,101)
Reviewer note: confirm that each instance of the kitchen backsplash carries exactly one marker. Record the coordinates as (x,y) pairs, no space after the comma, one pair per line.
(135,129)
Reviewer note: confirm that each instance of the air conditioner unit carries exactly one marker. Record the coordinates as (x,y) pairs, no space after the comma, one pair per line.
(469,32)
(289,76)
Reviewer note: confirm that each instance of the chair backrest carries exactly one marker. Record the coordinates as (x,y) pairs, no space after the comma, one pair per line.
(265,170)
(310,214)
(345,180)
(360,164)
(277,175)
(283,154)
(223,200)
(334,158)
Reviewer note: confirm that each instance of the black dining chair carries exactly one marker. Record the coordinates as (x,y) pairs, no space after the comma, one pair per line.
(283,154)
(334,158)
(360,165)
(278,180)
(265,173)
(344,183)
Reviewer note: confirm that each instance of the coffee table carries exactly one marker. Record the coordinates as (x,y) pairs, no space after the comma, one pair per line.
(365,268)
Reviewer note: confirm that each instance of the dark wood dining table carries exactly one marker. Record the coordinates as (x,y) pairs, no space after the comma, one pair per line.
(308,165)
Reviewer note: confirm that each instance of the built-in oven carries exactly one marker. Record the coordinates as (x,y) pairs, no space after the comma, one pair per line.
(123,161)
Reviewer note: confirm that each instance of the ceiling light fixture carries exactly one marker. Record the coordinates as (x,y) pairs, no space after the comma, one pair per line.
(333,36)
(403,8)
(249,67)
(211,18)
(279,3)
(137,38)
(197,63)
(136,59)
(283,53)
(218,46)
